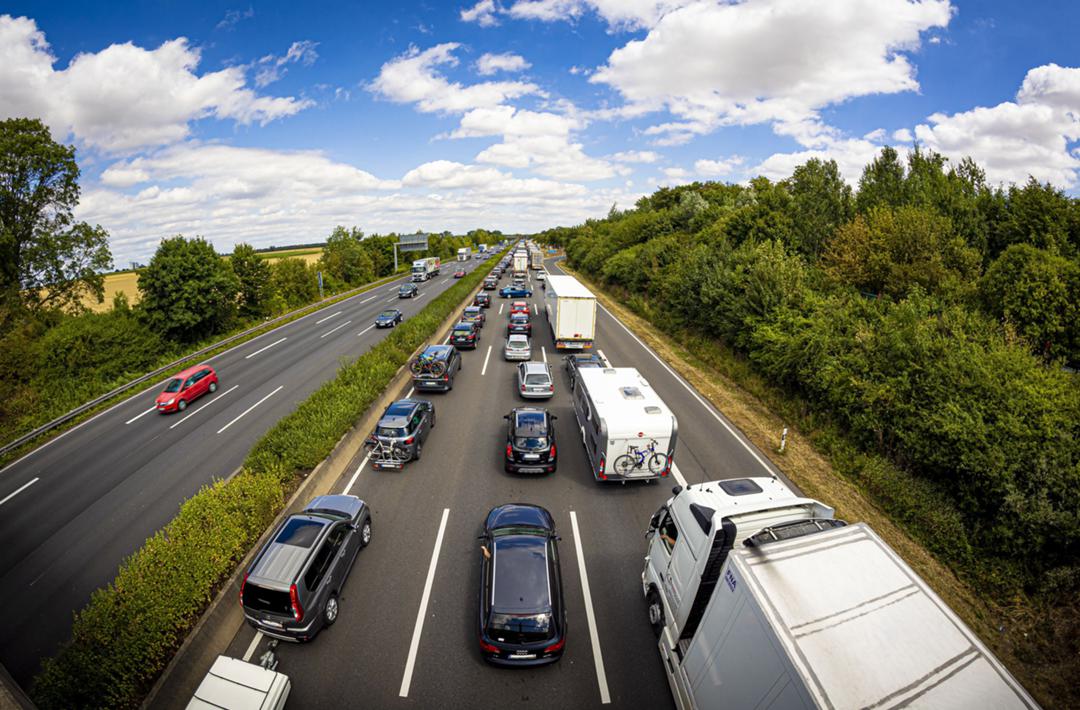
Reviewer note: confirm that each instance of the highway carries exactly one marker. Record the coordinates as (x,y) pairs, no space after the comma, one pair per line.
(406,634)
(72,510)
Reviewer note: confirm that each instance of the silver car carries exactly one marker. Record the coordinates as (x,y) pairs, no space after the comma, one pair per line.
(518,347)
(535,381)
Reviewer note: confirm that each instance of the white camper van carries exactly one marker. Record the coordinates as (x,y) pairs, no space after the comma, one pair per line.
(628,431)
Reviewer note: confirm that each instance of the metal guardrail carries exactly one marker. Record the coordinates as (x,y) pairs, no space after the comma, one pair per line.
(31,435)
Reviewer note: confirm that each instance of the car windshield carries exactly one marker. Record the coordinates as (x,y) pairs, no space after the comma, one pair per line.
(299,532)
(405,288)
(388,314)
(174,385)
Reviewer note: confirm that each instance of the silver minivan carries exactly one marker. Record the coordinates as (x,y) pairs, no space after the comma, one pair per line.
(518,347)
(534,380)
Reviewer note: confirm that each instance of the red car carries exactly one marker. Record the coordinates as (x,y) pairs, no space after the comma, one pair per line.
(185,387)
(460,273)
(519,307)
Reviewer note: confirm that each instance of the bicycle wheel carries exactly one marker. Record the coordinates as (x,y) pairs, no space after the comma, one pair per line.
(438,368)
(398,455)
(624,464)
(416,367)
(657,463)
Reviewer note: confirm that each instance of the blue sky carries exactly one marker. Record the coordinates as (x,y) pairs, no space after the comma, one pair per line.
(271,122)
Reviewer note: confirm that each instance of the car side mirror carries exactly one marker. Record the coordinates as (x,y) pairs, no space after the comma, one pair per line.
(506,417)
(553,417)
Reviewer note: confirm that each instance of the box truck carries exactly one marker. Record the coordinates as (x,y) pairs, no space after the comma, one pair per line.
(464,254)
(571,312)
(521,261)
(536,259)
(628,432)
(424,269)
(761,599)
(482,248)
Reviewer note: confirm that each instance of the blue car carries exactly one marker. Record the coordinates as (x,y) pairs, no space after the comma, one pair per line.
(514,292)
(389,319)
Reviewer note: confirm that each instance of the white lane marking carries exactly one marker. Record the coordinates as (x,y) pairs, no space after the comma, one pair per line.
(362,303)
(189,416)
(320,322)
(483,370)
(406,680)
(501,307)
(356,475)
(280,387)
(443,281)
(410,393)
(20,489)
(252,646)
(420,295)
(598,659)
(334,330)
(248,357)
(690,389)
(366,329)
(141,415)
(603,356)
(544,353)
(535,312)
(392,299)
(678,474)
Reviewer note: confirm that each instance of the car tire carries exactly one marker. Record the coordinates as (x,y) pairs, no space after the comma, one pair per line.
(655,609)
(418,451)
(331,610)
(365,532)
(432,418)
(212,387)
(181,406)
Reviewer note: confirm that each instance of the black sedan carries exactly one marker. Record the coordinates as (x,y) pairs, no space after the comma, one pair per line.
(577,361)
(483,300)
(464,336)
(389,318)
(522,616)
(407,291)
(530,441)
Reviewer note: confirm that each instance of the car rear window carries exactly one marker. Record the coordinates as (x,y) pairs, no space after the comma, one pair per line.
(390,432)
(517,345)
(269,600)
(174,385)
(463,327)
(537,379)
(520,628)
(519,318)
(299,532)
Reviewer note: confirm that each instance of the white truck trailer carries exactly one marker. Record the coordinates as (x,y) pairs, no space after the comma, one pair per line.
(424,269)
(571,312)
(482,248)
(628,432)
(536,259)
(464,254)
(761,599)
(521,261)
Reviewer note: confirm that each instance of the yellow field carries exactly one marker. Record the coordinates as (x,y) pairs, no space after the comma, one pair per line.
(127,281)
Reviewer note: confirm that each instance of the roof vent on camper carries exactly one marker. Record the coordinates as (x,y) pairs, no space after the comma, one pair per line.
(740,487)
(631,393)
(650,409)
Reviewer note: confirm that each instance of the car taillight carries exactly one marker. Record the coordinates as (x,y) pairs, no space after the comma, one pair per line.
(297,610)
(603,463)
(410,440)
(667,467)
(485,646)
(509,451)
(242,588)
(557,646)
(551,387)
(551,451)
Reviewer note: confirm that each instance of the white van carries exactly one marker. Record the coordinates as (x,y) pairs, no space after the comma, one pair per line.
(628,431)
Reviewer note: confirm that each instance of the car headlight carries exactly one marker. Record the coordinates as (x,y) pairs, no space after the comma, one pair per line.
(169,403)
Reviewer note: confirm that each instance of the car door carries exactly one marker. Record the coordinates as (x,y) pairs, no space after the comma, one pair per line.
(429,415)
(326,572)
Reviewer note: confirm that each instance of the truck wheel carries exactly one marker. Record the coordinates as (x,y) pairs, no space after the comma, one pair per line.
(656,612)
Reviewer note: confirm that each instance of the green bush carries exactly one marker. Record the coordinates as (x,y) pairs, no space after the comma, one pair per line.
(127,633)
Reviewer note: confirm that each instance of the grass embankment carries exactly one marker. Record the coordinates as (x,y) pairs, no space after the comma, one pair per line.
(128,632)
(901,509)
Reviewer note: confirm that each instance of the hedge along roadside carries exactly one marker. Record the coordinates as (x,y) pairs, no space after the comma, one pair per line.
(129,630)
(30,441)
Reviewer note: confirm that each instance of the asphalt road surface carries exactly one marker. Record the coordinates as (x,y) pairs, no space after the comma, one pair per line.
(423,562)
(74,509)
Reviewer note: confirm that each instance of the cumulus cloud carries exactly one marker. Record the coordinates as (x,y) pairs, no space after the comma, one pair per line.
(902,135)
(635,156)
(488,64)
(619,14)
(482,13)
(718,168)
(158,90)
(232,17)
(272,68)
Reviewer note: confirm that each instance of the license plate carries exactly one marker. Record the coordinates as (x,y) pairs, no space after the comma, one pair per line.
(530,470)
(531,457)
(522,654)
(272,624)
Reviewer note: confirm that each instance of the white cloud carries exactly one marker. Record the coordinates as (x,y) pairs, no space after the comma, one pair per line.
(804,56)
(272,68)
(619,14)
(482,13)
(413,78)
(851,156)
(488,64)
(902,135)
(678,175)
(157,91)
(875,135)
(635,156)
(232,17)
(718,168)
(444,173)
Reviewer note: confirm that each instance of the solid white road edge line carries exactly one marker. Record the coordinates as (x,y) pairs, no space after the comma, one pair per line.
(543,352)
(690,389)
(598,659)
(252,646)
(356,475)
(406,680)
(320,322)
(248,357)
(483,370)
(678,474)
(189,416)
(20,489)
(334,330)
(365,330)
(242,415)
(410,392)
(143,414)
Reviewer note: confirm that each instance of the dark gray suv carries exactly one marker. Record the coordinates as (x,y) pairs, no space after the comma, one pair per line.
(405,425)
(292,589)
(447,355)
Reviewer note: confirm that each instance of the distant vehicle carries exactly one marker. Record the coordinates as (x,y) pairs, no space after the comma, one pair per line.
(534,380)
(185,387)
(474,314)
(571,312)
(490,284)
(521,261)
(522,616)
(403,427)
(465,335)
(459,274)
(519,323)
(407,291)
(482,248)
(579,361)
(389,318)
(628,431)
(436,368)
(424,269)
(483,300)
(530,441)
(519,307)
(464,254)
(536,259)
(238,685)
(291,591)
(517,347)
(515,292)
(541,276)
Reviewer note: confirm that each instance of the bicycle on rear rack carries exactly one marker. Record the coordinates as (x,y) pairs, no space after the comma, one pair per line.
(636,459)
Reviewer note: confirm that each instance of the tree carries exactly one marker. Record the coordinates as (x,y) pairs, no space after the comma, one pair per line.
(1038,214)
(295,282)
(882,182)
(253,274)
(188,291)
(47,260)
(820,202)
(344,259)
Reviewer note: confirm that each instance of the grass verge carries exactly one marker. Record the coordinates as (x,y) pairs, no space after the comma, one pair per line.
(130,629)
